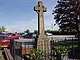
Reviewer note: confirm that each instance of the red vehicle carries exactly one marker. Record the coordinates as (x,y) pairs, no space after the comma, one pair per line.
(14,36)
(4,41)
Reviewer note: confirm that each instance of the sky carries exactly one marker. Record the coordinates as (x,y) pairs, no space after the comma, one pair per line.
(19,15)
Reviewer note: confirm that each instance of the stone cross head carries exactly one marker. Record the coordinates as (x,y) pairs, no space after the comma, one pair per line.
(40,8)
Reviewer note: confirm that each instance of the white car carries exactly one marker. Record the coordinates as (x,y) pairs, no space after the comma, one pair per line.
(48,34)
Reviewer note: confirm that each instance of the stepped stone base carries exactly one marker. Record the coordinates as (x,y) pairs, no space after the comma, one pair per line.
(43,44)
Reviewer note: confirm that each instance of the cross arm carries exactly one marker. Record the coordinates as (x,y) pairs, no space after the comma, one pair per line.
(36,8)
(44,9)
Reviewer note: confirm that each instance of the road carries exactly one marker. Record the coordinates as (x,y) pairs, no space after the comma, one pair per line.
(60,37)
(54,37)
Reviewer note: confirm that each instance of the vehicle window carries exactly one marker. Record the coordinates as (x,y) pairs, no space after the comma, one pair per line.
(4,37)
(13,34)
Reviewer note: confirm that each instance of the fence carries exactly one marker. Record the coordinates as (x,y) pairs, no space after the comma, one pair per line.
(19,48)
(66,49)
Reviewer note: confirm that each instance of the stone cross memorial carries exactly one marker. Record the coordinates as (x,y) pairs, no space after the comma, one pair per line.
(43,42)
(40,9)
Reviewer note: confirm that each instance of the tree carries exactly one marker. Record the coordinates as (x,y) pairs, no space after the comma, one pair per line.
(2,29)
(35,31)
(67,14)
(27,31)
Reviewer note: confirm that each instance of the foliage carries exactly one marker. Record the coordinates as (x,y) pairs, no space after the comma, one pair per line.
(35,31)
(60,32)
(2,29)
(67,14)
(35,54)
(65,48)
(27,31)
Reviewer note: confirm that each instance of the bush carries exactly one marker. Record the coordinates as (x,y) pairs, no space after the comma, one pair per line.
(35,54)
(59,32)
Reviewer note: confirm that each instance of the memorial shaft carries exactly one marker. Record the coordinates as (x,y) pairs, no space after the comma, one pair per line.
(41,23)
(40,9)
